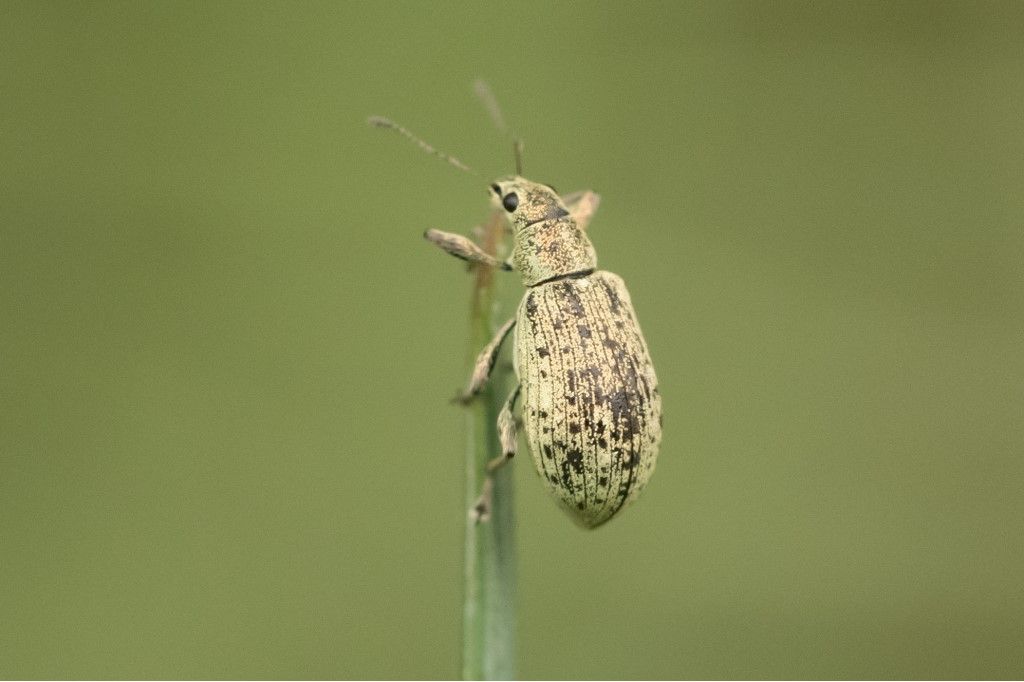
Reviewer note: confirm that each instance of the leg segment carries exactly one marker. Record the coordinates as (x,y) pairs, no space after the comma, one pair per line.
(481,510)
(582,205)
(485,363)
(506,432)
(464,248)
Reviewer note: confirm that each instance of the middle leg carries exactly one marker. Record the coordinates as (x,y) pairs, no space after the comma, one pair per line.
(485,363)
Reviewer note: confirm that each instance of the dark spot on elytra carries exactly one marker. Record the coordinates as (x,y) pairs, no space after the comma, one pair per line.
(548,452)
(575,459)
(602,442)
(613,298)
(542,352)
(573,304)
(584,331)
(610,344)
(531,305)
(644,388)
(603,481)
(629,428)
(543,374)
(626,409)
(581,505)
(566,476)
(574,427)
(618,402)
(543,414)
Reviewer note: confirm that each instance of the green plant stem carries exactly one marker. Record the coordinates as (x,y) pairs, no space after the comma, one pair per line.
(489,619)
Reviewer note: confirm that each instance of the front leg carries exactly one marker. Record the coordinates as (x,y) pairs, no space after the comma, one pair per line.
(463,247)
(485,363)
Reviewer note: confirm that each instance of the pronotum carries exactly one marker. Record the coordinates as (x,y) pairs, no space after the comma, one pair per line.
(587,392)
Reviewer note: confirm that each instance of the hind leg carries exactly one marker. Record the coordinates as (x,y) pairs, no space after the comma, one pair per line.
(507,435)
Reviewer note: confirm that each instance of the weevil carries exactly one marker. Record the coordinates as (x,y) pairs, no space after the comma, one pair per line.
(587,392)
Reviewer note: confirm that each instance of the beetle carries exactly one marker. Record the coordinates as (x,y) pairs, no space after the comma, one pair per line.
(587,390)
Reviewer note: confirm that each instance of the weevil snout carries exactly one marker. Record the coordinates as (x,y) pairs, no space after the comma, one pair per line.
(548,243)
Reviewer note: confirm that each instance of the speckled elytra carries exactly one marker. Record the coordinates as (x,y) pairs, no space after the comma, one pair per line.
(586,389)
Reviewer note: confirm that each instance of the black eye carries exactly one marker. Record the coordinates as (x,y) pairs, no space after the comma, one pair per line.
(510,202)
(496,190)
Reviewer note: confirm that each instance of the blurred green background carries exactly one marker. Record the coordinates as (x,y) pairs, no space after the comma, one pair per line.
(225,351)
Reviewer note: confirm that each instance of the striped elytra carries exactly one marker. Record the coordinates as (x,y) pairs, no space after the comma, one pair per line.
(591,408)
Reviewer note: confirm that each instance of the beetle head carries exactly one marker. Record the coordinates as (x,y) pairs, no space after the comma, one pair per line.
(548,242)
(526,203)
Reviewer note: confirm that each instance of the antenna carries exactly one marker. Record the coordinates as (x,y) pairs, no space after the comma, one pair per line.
(483,91)
(381,122)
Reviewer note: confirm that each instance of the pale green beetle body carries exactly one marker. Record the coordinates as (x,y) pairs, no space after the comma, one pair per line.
(590,402)
(591,408)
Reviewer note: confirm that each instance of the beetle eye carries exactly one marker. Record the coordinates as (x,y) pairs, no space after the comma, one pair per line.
(496,189)
(510,202)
